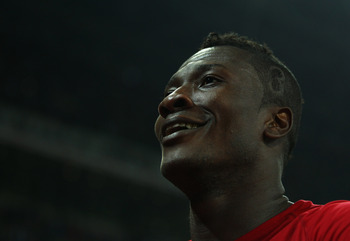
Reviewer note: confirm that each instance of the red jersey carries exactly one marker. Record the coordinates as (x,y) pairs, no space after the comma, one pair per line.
(305,221)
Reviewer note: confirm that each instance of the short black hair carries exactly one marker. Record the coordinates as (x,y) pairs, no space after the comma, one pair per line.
(279,84)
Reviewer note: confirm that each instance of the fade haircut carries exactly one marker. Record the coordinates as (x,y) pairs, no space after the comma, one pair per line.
(280,87)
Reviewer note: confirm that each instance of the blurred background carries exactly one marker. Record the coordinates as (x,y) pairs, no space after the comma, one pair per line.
(79,89)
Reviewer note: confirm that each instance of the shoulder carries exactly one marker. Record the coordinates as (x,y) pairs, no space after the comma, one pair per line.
(333,210)
(330,221)
(337,206)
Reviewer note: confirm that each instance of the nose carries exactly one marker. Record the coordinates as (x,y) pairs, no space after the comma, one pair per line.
(176,101)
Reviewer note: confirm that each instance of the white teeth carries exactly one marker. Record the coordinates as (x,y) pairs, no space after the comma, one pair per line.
(187,125)
(191,126)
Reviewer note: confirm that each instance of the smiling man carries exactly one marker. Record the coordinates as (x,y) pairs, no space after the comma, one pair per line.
(227,126)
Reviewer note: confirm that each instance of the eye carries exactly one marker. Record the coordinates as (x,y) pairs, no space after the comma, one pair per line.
(209,81)
(169,91)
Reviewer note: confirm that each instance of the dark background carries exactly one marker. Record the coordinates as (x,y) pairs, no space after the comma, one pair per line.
(80,84)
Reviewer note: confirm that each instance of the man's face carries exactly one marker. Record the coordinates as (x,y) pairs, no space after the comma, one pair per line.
(210,114)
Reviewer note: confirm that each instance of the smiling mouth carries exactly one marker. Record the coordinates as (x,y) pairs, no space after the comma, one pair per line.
(179,127)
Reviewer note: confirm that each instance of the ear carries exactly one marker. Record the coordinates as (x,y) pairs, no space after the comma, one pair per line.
(279,124)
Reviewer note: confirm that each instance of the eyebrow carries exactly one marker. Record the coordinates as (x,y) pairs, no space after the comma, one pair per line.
(206,67)
(200,68)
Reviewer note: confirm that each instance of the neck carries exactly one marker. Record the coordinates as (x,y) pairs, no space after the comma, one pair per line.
(228,216)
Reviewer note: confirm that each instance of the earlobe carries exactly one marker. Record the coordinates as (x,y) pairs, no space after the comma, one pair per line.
(279,124)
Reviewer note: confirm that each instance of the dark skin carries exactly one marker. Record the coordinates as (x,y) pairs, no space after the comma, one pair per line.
(220,146)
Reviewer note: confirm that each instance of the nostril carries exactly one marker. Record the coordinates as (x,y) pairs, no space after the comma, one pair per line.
(180,102)
(163,111)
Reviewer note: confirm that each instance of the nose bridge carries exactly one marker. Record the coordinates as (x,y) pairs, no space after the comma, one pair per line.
(183,89)
(180,98)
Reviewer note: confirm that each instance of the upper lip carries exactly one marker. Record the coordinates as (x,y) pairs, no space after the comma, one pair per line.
(180,120)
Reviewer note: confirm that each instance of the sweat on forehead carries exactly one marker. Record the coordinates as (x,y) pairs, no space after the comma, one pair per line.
(221,54)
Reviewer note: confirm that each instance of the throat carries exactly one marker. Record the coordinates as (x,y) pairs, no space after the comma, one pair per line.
(226,221)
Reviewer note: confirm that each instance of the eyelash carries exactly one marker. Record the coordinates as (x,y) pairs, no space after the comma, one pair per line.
(212,80)
(169,91)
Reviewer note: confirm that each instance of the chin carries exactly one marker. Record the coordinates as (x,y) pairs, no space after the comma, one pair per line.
(172,167)
(178,171)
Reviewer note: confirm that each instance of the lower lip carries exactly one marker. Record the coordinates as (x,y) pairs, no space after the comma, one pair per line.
(178,136)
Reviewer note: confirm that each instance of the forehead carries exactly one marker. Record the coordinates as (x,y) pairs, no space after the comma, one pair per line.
(221,54)
(233,60)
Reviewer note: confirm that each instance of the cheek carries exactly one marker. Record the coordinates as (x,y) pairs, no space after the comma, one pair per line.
(213,102)
(234,120)
(226,113)
(157,126)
